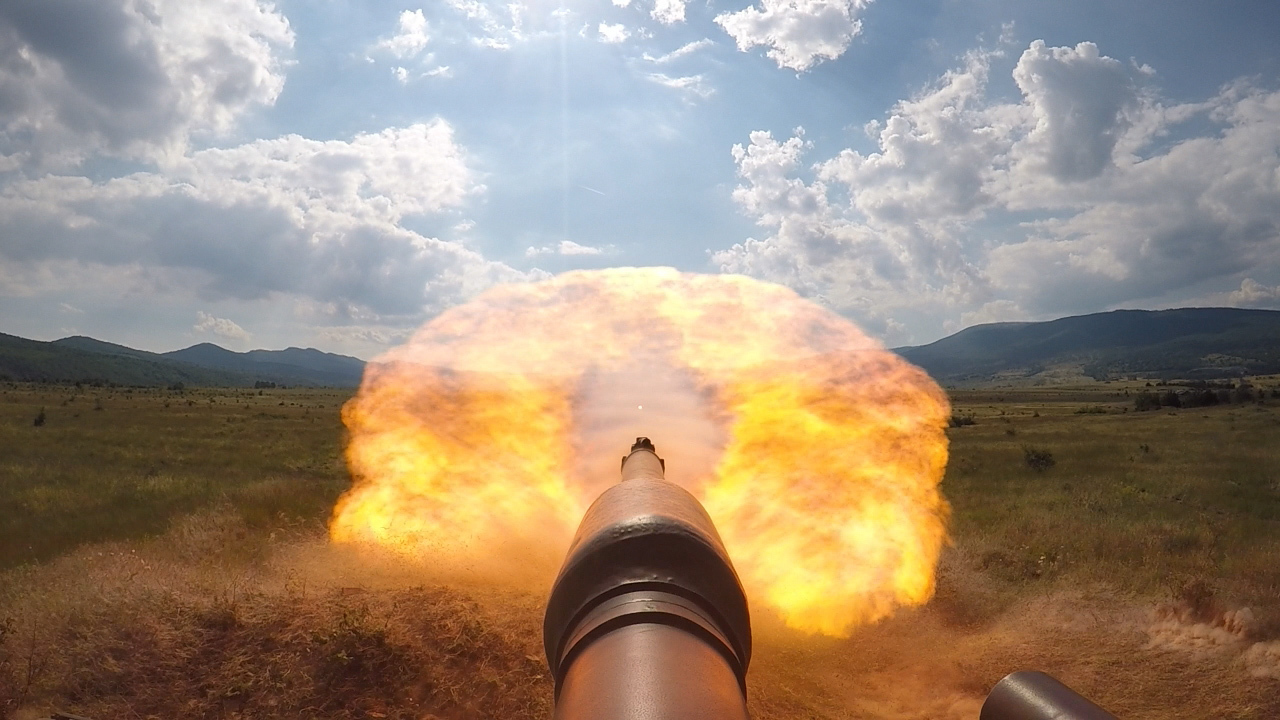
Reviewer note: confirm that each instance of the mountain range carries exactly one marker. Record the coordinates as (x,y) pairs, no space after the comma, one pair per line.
(84,359)
(1183,343)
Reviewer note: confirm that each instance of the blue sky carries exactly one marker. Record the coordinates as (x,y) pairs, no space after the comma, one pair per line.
(333,173)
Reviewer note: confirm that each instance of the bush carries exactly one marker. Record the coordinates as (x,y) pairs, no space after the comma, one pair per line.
(960,420)
(1037,459)
(1199,398)
(1091,410)
(1146,401)
(39,421)
(1170,398)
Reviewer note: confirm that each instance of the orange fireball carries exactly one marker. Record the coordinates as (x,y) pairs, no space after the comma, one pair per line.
(817,452)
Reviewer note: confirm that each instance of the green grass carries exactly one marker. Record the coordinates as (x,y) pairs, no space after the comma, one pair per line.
(147,456)
(1145,501)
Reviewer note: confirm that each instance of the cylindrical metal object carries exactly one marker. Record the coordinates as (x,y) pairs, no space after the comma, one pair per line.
(647,619)
(1032,695)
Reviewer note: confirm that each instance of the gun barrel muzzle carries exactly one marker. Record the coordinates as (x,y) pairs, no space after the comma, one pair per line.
(647,618)
(1032,695)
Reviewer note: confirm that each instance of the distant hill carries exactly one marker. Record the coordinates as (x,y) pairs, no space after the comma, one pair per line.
(1182,343)
(84,359)
(292,366)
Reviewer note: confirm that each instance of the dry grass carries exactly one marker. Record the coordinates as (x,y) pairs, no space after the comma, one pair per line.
(1125,569)
(184,626)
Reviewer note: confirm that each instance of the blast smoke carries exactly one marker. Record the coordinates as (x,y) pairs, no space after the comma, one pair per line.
(647,397)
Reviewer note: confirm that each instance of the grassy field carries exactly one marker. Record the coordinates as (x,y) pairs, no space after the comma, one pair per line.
(162,554)
(116,464)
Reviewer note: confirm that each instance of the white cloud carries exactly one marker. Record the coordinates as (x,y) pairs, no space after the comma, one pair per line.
(668,12)
(401,74)
(927,222)
(288,216)
(695,85)
(798,33)
(1078,99)
(682,51)
(1254,294)
(70,309)
(129,78)
(498,25)
(613,33)
(411,36)
(621,3)
(222,327)
(566,247)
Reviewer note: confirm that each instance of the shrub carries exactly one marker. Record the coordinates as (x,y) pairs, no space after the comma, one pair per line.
(1091,410)
(960,420)
(1037,459)
(1170,398)
(1146,401)
(39,421)
(1199,398)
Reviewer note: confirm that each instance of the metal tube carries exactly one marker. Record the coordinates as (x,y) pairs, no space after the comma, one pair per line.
(647,619)
(648,671)
(1032,695)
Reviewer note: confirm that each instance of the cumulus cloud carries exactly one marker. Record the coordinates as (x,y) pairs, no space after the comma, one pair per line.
(131,78)
(1062,201)
(1078,99)
(613,33)
(682,51)
(668,12)
(222,327)
(798,33)
(411,36)
(1254,294)
(293,216)
(565,247)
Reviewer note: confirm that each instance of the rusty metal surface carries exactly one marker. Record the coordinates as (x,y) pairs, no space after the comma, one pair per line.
(1032,695)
